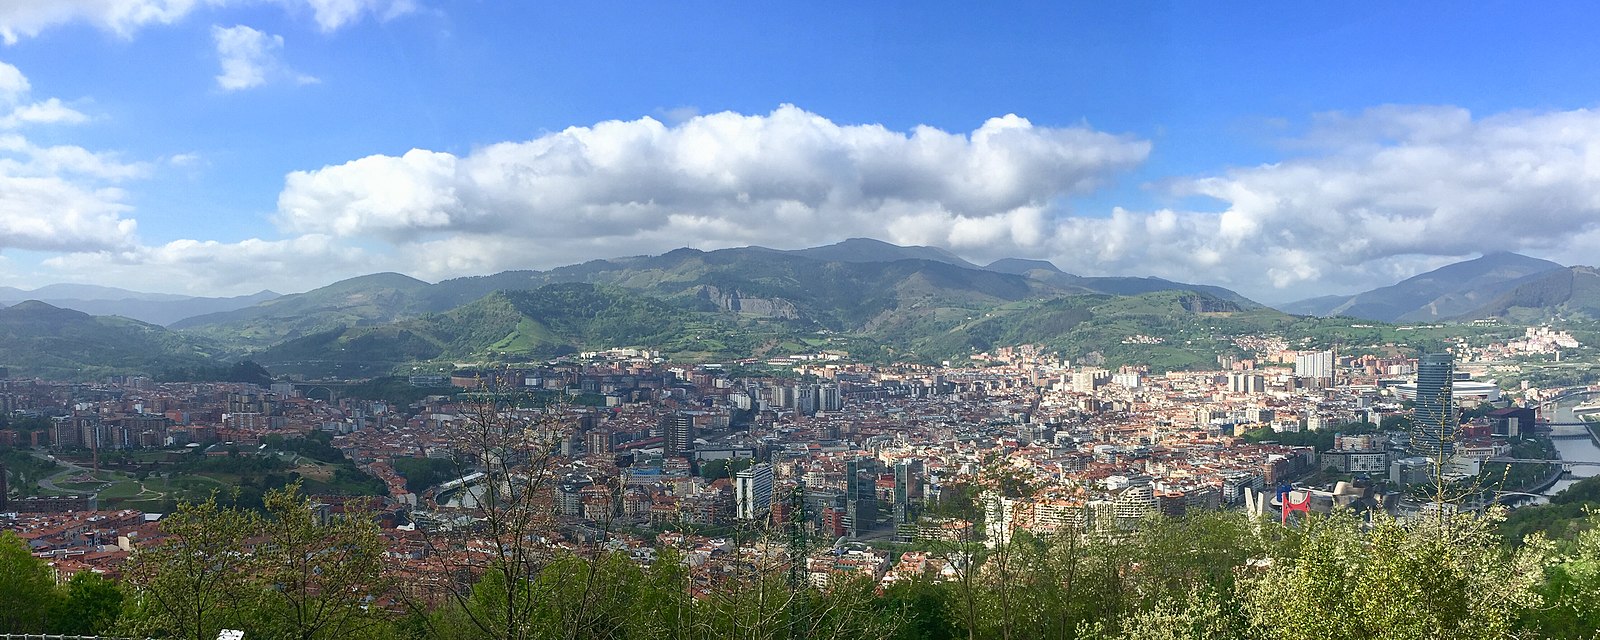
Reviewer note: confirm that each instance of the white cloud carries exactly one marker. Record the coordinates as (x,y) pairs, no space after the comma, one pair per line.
(1373,197)
(50,111)
(1382,195)
(331,15)
(250,58)
(209,267)
(788,178)
(59,197)
(1369,199)
(28,18)
(49,213)
(13,84)
(14,90)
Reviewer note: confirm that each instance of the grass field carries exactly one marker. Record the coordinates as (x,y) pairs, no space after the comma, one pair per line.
(118,490)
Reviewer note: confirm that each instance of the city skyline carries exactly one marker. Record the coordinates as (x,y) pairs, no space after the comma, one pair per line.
(222,148)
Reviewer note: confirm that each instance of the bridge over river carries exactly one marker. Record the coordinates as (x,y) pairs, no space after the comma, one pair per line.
(1566,465)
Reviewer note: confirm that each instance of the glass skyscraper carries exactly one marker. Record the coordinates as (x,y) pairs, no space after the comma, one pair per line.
(1435,433)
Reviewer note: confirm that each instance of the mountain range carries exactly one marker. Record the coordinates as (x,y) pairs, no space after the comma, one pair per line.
(853,286)
(1468,289)
(153,308)
(871,298)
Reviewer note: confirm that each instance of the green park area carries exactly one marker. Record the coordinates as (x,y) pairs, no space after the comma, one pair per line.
(157,480)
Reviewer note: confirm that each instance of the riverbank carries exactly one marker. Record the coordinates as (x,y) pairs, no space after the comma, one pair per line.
(1552,480)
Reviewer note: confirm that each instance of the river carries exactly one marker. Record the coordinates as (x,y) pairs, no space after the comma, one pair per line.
(1575,449)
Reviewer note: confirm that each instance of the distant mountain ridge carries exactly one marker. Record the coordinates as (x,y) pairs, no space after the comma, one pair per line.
(871,298)
(1450,292)
(1572,292)
(78,291)
(154,308)
(855,285)
(870,250)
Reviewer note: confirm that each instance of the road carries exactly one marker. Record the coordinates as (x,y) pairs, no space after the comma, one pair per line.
(49,484)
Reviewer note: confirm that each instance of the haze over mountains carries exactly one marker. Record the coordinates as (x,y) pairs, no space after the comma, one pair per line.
(154,308)
(861,295)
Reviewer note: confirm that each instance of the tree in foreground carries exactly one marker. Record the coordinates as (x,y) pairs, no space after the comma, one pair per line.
(320,575)
(1569,606)
(90,606)
(290,573)
(26,589)
(1426,578)
(192,583)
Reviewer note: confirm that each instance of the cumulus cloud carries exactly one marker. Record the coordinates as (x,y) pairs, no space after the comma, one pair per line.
(54,214)
(331,15)
(209,267)
(14,90)
(13,84)
(50,111)
(249,58)
(57,197)
(60,198)
(1364,200)
(20,157)
(1373,197)
(789,178)
(28,18)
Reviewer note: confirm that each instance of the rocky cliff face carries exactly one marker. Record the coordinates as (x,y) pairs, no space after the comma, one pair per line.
(1205,304)
(733,302)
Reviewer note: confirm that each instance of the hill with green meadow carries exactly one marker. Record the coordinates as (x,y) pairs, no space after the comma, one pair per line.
(519,325)
(38,339)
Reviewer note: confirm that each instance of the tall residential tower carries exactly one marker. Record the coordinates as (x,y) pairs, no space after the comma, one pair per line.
(1436,421)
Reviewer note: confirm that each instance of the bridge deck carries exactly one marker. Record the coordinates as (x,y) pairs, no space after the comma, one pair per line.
(1564,463)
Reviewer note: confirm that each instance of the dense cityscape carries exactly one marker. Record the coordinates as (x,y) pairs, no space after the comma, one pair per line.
(414,319)
(886,473)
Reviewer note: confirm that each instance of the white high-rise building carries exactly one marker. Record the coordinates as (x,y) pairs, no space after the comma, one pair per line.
(1240,382)
(752,492)
(1314,364)
(805,399)
(1087,380)
(829,399)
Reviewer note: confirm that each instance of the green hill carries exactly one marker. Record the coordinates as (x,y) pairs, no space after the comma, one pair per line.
(363,301)
(855,286)
(37,339)
(1192,327)
(509,326)
(1570,293)
(1448,292)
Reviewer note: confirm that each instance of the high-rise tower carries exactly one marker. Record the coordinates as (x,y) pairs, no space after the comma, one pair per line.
(677,432)
(752,492)
(1435,433)
(861,494)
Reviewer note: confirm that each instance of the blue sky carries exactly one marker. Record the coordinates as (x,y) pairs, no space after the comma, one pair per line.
(1281,150)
